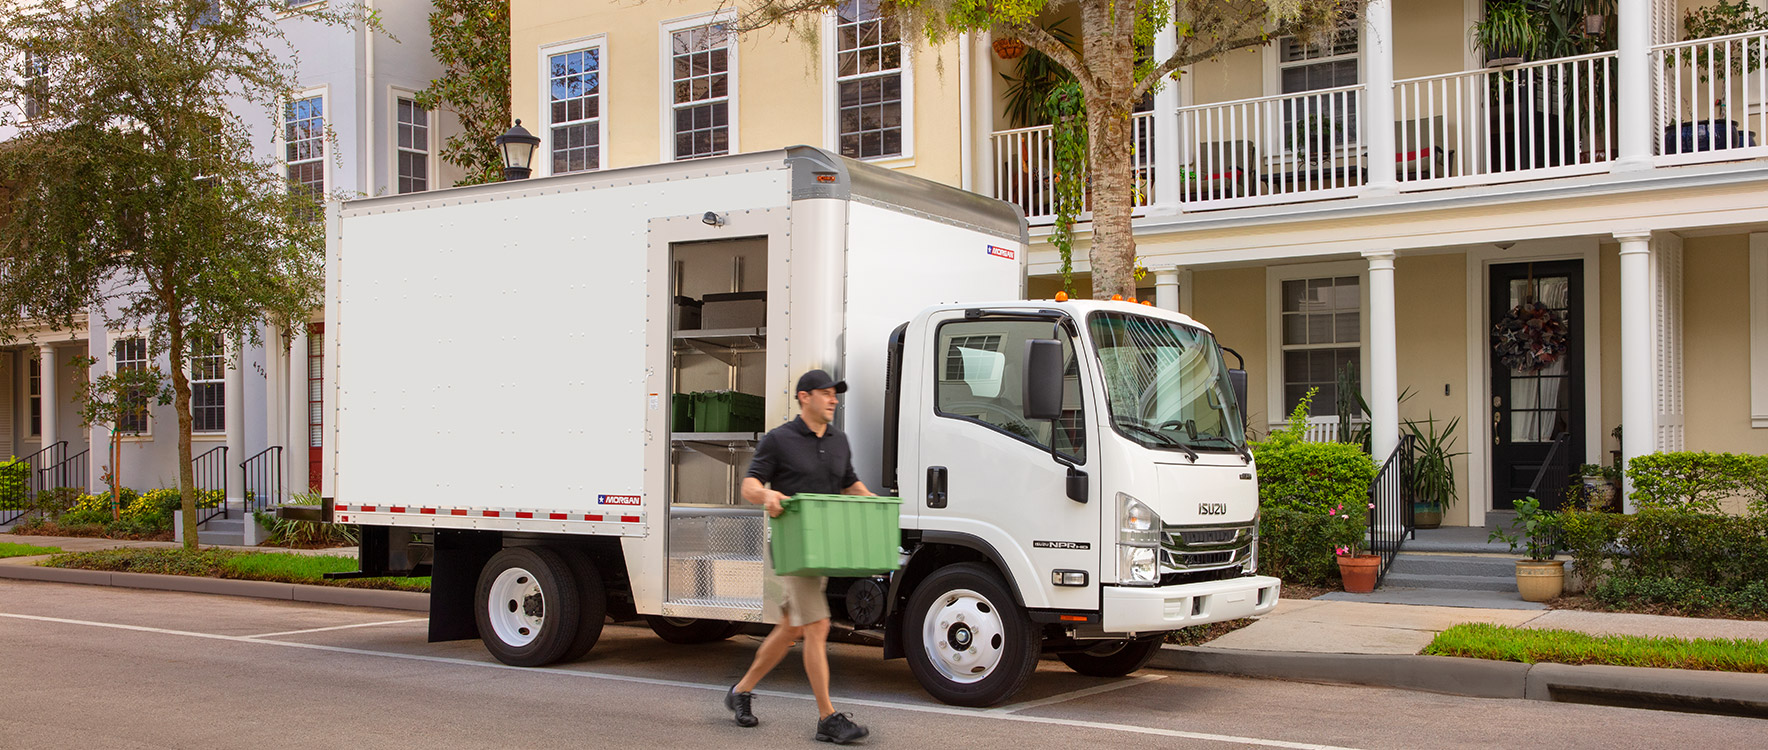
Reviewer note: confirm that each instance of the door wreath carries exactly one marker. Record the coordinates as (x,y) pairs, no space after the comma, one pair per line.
(1531,336)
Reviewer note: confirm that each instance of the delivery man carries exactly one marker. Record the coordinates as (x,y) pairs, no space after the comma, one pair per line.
(806,454)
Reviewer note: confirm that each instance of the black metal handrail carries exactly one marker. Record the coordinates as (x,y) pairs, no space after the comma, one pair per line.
(210,473)
(68,468)
(51,454)
(1556,471)
(1390,518)
(265,488)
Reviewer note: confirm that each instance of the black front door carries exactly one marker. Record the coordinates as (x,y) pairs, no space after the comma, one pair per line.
(1537,360)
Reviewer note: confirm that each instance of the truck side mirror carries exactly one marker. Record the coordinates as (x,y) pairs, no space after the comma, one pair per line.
(1238,378)
(1043,379)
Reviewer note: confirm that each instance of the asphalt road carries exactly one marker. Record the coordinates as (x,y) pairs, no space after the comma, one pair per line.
(87,667)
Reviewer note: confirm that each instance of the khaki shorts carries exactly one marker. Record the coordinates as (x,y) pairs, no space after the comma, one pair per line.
(798,600)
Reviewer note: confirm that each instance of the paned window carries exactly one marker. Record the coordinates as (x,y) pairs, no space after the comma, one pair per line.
(1322,323)
(36,396)
(208,387)
(414,147)
(131,354)
(979,367)
(36,72)
(304,146)
(1328,63)
(700,98)
(576,110)
(868,80)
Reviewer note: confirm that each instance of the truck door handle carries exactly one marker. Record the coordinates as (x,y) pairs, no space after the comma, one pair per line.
(936,486)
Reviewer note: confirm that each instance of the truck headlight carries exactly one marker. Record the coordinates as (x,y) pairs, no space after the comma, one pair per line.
(1138,542)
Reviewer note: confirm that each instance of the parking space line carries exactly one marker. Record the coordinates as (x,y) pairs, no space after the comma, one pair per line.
(338,627)
(717,688)
(1082,693)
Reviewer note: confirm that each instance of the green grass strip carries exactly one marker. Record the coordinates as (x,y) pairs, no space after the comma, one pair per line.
(281,567)
(1529,646)
(14,549)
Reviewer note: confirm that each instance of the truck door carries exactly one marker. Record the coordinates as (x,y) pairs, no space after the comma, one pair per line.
(1001,486)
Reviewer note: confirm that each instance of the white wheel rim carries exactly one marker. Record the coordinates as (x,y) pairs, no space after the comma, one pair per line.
(964,636)
(518,608)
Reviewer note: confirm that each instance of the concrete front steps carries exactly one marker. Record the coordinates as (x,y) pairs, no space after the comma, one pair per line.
(1464,572)
(238,528)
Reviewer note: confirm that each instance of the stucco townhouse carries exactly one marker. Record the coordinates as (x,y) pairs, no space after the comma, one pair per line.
(1378,202)
(257,411)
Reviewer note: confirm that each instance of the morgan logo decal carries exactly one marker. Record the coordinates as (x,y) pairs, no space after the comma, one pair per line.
(1001,252)
(618,500)
(1212,509)
(1061,545)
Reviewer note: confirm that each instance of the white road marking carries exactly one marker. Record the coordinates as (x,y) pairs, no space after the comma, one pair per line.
(892,705)
(339,627)
(1082,693)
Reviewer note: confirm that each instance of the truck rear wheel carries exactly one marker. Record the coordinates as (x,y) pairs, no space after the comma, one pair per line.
(592,603)
(968,643)
(527,606)
(1114,659)
(687,632)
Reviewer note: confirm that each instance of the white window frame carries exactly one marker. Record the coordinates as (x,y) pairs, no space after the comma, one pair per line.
(1759,330)
(431,141)
(543,152)
(147,361)
(34,395)
(832,98)
(1274,67)
(281,140)
(190,367)
(666,82)
(1276,415)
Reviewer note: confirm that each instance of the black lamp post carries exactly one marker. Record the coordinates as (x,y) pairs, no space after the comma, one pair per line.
(518,147)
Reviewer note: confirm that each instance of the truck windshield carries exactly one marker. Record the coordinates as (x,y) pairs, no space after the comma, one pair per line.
(1166,384)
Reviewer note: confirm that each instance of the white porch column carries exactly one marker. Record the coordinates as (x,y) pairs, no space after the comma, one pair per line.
(1166,288)
(1384,356)
(1638,403)
(1633,108)
(234,401)
(1378,116)
(1166,129)
(47,370)
(982,90)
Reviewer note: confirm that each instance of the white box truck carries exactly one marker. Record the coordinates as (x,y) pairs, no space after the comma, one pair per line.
(502,368)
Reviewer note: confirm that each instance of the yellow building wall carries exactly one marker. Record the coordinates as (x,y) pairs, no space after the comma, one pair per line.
(1610,255)
(1716,346)
(1232,303)
(780,92)
(1430,293)
(1430,38)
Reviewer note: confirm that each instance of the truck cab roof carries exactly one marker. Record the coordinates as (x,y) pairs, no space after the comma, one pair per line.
(1079,309)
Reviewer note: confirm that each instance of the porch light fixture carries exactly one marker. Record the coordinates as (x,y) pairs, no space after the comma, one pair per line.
(517,145)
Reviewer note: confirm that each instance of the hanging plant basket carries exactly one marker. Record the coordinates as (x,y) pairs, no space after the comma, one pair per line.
(1008,48)
(1531,337)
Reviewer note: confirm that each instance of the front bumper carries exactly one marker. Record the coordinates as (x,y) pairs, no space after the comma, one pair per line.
(1131,609)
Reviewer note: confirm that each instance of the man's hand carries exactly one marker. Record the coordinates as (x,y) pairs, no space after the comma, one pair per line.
(773,506)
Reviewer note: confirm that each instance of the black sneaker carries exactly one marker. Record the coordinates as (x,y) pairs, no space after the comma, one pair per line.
(739,703)
(837,728)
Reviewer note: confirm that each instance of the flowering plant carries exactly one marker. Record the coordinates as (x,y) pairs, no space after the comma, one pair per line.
(1348,525)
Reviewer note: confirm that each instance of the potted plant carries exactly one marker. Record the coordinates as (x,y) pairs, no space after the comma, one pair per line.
(1733,60)
(1598,485)
(1540,577)
(1432,479)
(1510,33)
(1357,568)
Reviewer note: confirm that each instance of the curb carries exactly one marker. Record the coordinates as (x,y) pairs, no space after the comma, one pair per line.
(298,592)
(1692,691)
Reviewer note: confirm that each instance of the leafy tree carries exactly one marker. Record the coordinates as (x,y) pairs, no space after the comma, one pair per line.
(1111,75)
(471,38)
(133,193)
(116,400)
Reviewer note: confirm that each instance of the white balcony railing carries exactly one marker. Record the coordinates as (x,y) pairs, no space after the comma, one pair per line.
(1546,119)
(1710,96)
(1272,149)
(1025,170)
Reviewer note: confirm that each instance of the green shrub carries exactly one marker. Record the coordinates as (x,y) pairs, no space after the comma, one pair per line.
(1671,555)
(1293,473)
(15,484)
(290,533)
(1300,546)
(52,503)
(88,509)
(1698,479)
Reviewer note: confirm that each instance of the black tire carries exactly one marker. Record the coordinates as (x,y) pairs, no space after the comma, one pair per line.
(687,632)
(1114,659)
(537,614)
(592,603)
(1005,643)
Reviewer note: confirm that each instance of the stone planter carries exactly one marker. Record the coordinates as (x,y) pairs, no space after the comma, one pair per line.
(1427,516)
(1359,572)
(1540,580)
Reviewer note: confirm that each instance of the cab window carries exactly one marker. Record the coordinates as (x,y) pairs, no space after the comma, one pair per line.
(978,376)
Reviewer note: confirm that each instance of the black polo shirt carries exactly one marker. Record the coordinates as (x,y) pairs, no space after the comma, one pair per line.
(793,459)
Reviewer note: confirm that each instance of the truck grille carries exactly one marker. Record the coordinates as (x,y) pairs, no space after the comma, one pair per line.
(1188,550)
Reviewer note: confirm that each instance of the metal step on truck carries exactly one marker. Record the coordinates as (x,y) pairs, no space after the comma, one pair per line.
(545,393)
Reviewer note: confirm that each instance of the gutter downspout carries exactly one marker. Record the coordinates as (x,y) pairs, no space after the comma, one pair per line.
(966,151)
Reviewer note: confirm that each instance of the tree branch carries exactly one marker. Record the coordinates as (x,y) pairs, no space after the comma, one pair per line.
(1184,58)
(1042,41)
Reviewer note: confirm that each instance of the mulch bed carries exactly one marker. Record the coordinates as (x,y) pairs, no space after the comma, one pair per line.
(1587,604)
(91,531)
(1302,591)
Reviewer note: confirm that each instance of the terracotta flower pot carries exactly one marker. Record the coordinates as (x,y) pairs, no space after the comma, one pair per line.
(1539,580)
(1359,572)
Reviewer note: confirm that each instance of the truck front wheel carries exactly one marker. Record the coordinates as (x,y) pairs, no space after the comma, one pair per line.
(969,643)
(1114,659)
(527,606)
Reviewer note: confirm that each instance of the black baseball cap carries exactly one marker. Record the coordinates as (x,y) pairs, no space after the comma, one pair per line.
(818,380)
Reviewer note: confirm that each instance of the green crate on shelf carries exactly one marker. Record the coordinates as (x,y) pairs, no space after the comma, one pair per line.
(728,411)
(681,412)
(836,535)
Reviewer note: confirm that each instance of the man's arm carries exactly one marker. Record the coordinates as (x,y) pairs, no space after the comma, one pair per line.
(754,492)
(858,488)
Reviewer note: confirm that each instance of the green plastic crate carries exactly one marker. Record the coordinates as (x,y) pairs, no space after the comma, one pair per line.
(681,412)
(728,411)
(836,535)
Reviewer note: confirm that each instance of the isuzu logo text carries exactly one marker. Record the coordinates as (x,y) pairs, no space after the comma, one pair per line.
(1212,509)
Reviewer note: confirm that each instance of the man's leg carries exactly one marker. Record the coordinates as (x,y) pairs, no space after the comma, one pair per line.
(771,652)
(816,664)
